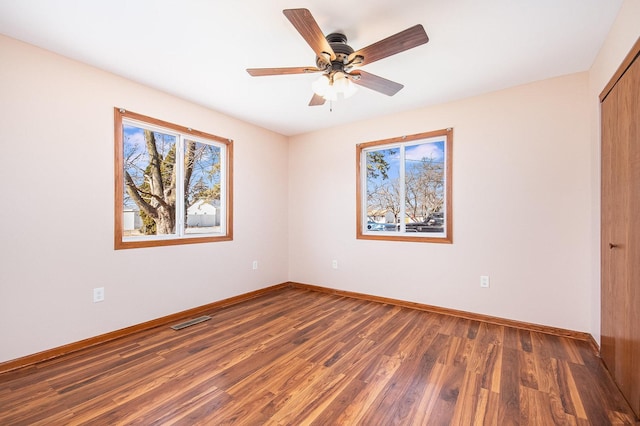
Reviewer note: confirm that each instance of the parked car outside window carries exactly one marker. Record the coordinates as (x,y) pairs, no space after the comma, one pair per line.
(375,226)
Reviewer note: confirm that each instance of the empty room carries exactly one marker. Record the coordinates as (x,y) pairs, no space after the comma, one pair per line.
(329,213)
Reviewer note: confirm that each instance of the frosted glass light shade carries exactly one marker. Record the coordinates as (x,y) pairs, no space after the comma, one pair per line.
(332,87)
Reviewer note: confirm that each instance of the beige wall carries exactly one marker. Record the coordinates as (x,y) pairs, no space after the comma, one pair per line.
(521,197)
(56,220)
(623,35)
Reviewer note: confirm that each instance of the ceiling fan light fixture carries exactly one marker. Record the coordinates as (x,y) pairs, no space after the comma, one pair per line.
(343,85)
(334,86)
(321,85)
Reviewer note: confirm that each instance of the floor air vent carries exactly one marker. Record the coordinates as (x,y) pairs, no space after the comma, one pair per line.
(191,322)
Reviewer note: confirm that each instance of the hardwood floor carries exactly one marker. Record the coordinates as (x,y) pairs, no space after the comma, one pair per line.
(301,357)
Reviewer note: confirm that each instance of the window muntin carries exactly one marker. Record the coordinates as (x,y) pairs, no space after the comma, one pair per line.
(404,188)
(173,184)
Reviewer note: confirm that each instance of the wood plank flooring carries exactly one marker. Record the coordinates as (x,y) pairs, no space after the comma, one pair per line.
(296,357)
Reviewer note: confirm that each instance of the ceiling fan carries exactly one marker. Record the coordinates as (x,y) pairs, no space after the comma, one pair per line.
(336,60)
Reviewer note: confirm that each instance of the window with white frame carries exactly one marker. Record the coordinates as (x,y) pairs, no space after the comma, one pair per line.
(173,183)
(404,188)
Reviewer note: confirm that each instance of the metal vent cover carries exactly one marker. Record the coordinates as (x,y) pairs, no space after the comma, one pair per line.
(191,322)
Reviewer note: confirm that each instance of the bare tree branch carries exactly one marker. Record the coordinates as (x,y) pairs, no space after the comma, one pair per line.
(135,193)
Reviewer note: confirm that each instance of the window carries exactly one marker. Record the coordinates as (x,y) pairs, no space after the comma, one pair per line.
(404,188)
(173,184)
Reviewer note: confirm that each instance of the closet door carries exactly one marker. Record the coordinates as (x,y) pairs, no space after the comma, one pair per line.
(620,245)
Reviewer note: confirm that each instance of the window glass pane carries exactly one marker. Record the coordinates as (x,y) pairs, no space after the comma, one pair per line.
(424,187)
(382,190)
(202,188)
(149,182)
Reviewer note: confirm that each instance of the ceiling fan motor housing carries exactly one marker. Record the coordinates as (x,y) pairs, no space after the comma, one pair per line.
(338,43)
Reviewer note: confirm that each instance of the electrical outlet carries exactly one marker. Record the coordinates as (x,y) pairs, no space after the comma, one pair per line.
(334,264)
(255,265)
(484,281)
(98,294)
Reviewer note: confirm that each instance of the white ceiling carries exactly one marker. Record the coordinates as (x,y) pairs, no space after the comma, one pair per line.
(199,49)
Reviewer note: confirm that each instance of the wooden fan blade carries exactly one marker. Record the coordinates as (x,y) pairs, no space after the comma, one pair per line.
(308,28)
(404,40)
(316,100)
(257,72)
(374,82)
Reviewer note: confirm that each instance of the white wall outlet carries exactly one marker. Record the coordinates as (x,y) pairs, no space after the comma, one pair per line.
(334,264)
(254,265)
(484,281)
(98,294)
